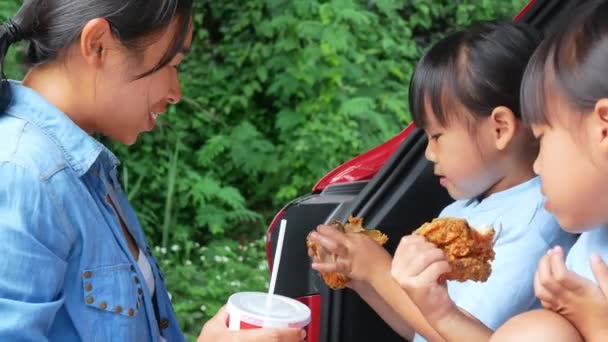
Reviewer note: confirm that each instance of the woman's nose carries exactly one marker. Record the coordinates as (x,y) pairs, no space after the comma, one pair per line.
(175,92)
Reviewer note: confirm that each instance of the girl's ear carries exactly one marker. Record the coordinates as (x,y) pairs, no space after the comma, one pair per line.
(504,125)
(95,39)
(600,124)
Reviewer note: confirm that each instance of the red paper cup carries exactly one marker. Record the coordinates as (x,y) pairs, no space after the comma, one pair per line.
(247,310)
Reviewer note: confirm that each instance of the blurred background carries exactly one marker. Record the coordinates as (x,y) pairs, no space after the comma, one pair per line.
(276,94)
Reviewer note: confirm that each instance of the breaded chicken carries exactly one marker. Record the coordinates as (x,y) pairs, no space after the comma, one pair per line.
(469,251)
(355,225)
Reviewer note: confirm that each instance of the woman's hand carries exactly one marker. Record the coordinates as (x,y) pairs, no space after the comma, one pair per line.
(417,265)
(578,299)
(216,330)
(358,256)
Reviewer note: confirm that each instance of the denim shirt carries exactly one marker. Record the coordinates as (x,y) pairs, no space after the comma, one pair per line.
(66,273)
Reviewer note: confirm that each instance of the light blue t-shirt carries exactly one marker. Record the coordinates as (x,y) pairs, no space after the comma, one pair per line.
(593,241)
(525,231)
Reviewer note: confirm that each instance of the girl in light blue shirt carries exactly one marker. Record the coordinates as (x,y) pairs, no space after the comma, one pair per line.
(465,94)
(565,99)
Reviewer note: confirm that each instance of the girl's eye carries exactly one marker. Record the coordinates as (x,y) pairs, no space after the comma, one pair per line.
(435,137)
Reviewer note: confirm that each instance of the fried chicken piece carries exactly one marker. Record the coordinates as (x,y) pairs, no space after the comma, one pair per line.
(469,251)
(354,225)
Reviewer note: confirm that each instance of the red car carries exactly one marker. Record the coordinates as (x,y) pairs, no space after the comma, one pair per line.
(392,187)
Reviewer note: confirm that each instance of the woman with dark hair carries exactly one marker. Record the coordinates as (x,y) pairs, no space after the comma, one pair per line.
(74,261)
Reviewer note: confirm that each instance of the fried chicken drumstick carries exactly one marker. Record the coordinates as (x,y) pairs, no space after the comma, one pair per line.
(469,251)
(354,225)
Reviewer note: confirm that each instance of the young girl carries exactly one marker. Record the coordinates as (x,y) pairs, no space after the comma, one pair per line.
(465,94)
(74,263)
(565,99)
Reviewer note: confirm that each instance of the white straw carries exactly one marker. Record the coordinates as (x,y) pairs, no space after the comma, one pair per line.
(275,266)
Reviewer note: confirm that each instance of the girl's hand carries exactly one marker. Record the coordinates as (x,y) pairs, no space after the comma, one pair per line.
(578,299)
(417,265)
(358,256)
(215,330)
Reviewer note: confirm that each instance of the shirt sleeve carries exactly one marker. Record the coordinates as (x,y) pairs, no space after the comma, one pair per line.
(34,249)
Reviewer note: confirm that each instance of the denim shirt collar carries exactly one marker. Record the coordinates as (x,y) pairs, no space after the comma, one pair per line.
(79,148)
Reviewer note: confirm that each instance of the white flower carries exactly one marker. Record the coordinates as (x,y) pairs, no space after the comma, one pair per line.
(218,277)
(227,249)
(188,262)
(217,258)
(225,259)
(175,248)
(163,250)
(197,245)
(157,249)
(240,258)
(203,308)
(203,258)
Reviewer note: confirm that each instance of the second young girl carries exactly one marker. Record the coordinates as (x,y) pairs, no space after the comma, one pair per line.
(565,99)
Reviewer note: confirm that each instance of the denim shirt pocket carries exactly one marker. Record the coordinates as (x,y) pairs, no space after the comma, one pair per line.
(114,292)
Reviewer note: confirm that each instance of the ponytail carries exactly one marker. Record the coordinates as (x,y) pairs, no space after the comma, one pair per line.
(10,33)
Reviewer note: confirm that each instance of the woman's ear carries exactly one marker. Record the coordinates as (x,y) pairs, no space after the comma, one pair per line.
(504,126)
(95,39)
(600,124)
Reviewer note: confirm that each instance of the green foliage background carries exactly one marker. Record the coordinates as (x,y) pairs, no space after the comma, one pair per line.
(276,93)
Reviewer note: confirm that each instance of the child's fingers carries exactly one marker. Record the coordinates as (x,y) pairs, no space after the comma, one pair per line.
(414,257)
(567,280)
(330,244)
(407,242)
(331,232)
(546,298)
(431,274)
(424,258)
(546,279)
(401,256)
(547,305)
(600,271)
(329,267)
(558,267)
(311,253)
(426,278)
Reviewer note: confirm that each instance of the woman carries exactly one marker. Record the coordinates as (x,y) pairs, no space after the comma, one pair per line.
(75,264)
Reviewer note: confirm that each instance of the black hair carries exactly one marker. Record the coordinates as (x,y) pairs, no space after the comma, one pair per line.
(51,25)
(479,68)
(573,62)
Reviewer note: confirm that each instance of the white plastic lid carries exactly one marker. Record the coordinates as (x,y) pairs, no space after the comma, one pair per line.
(283,311)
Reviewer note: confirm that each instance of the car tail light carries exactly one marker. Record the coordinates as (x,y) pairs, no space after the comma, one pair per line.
(366,165)
(314,303)
(271,228)
(524,10)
